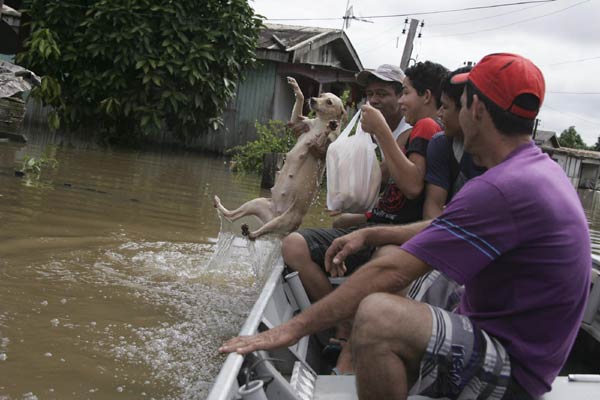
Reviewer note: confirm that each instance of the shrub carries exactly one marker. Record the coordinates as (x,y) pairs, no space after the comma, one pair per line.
(273,137)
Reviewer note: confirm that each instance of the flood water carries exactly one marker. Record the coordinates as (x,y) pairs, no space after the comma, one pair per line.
(106,289)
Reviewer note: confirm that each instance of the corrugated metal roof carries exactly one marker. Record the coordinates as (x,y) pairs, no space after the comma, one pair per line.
(289,43)
(574,152)
(274,35)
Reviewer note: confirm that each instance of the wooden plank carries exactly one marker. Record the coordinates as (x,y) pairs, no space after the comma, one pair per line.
(12,113)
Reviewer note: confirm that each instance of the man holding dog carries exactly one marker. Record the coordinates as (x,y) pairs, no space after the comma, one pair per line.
(405,161)
(516,237)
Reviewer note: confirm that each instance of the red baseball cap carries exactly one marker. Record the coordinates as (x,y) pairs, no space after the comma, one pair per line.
(502,77)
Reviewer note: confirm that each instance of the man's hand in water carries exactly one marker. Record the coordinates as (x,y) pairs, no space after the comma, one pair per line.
(341,248)
(281,336)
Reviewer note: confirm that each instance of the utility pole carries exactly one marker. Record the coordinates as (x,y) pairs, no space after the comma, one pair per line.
(346,22)
(408,45)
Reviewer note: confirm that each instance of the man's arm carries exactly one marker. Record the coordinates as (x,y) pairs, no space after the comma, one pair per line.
(390,273)
(435,200)
(375,236)
(401,142)
(407,172)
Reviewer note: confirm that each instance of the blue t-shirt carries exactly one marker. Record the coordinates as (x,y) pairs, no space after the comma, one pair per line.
(443,167)
(518,239)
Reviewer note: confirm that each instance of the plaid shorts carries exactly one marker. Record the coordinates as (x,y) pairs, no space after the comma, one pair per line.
(436,289)
(461,361)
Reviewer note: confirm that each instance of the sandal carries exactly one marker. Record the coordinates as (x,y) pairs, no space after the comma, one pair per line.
(336,371)
(332,351)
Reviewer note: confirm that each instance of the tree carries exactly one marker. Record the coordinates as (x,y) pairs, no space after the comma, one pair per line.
(137,67)
(597,145)
(570,138)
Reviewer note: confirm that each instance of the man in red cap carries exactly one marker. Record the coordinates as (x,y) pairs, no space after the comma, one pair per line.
(516,237)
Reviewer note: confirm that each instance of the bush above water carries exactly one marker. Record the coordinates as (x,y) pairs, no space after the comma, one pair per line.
(273,137)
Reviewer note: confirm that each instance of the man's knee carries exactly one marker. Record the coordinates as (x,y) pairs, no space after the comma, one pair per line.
(389,325)
(293,249)
(375,315)
(388,318)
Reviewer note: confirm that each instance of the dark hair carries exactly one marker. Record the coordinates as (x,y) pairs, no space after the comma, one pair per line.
(396,85)
(505,121)
(453,90)
(427,75)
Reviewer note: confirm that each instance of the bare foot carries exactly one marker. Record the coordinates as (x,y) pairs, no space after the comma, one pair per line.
(222,210)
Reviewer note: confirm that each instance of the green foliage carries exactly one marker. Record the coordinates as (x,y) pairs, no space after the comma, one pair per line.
(139,67)
(571,139)
(33,167)
(274,137)
(596,147)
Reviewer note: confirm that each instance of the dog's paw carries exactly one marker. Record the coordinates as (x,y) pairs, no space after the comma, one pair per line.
(294,85)
(216,202)
(292,81)
(245,230)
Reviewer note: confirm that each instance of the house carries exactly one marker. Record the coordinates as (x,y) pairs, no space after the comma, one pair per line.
(581,166)
(10,20)
(546,139)
(320,59)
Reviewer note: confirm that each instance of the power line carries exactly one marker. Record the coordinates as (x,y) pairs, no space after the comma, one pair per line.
(461,9)
(572,61)
(488,17)
(513,23)
(417,13)
(578,93)
(380,44)
(595,124)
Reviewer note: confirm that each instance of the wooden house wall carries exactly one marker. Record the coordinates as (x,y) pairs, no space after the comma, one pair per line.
(324,55)
(589,175)
(253,102)
(571,166)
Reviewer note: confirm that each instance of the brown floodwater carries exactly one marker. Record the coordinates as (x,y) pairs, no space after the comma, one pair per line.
(108,288)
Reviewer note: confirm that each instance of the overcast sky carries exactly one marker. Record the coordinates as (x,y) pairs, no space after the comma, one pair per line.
(562,37)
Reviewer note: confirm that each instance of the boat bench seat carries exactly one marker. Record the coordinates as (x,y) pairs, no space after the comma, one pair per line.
(330,387)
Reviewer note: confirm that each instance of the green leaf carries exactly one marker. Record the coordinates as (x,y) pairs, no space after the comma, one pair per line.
(130,55)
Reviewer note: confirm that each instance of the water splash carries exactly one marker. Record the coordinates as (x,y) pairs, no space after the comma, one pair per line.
(235,254)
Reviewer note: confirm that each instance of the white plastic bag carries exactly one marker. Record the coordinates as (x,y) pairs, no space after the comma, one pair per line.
(353,173)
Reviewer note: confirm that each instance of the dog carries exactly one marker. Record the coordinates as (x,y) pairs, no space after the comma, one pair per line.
(298,182)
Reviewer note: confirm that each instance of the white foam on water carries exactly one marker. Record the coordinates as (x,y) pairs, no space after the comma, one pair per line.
(211,296)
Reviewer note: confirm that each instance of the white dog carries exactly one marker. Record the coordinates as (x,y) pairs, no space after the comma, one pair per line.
(298,181)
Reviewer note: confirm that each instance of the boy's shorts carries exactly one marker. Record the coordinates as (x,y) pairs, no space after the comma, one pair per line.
(319,240)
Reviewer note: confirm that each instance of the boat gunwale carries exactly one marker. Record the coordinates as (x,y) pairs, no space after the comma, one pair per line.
(224,382)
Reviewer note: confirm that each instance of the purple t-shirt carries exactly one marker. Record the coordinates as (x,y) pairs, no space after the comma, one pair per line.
(517,238)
